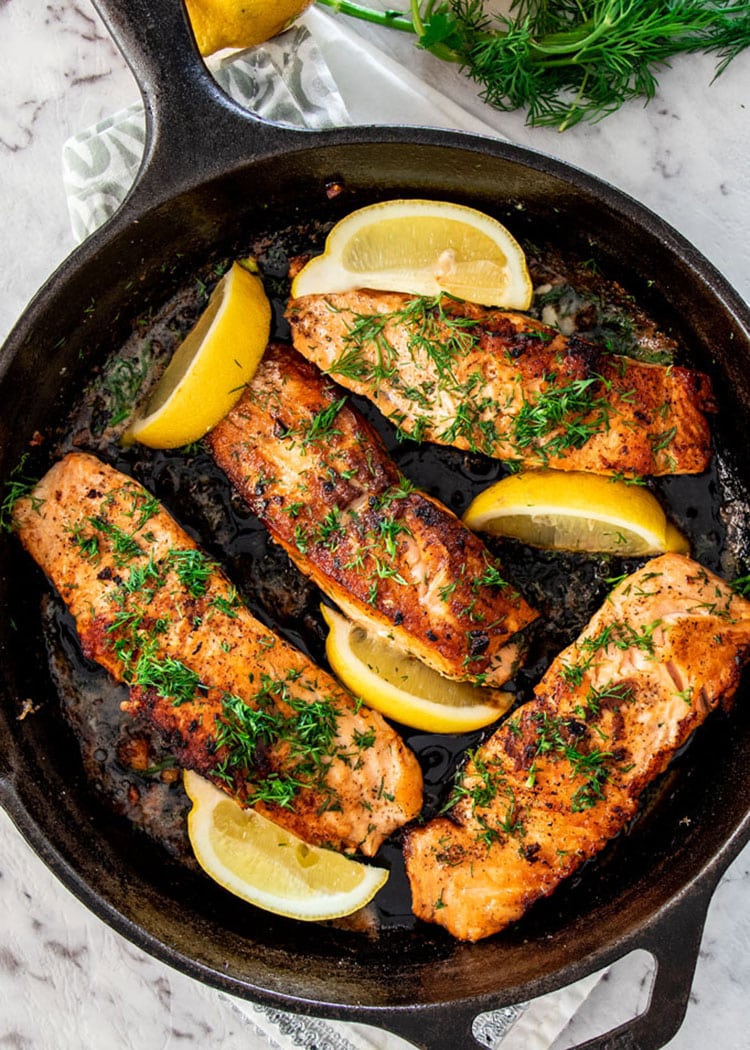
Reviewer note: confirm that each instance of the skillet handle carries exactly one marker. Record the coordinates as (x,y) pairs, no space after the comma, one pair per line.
(184,106)
(674,942)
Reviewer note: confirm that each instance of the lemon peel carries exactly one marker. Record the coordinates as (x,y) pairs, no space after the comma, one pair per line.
(264,864)
(219,24)
(421,247)
(403,688)
(572,510)
(210,368)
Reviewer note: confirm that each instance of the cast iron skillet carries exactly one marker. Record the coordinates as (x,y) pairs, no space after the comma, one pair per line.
(211,173)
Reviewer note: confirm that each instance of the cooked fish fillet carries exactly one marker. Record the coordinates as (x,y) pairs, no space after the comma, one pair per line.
(314,471)
(234,702)
(507,385)
(565,772)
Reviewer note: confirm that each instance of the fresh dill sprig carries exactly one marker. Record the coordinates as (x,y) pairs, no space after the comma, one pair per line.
(570,60)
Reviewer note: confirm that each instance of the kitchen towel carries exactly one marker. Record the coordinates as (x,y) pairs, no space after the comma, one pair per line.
(318,74)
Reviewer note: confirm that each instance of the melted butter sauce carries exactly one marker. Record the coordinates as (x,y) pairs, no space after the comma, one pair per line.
(123,758)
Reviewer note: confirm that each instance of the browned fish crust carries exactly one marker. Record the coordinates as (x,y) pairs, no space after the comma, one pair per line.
(565,772)
(317,475)
(507,385)
(233,701)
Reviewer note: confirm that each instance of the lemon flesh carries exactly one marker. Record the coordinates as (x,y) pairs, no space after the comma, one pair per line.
(218,24)
(421,247)
(210,368)
(271,868)
(402,687)
(577,512)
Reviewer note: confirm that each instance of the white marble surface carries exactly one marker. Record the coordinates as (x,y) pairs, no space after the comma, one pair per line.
(66,981)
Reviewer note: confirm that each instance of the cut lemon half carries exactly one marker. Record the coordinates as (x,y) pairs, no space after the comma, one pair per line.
(402,687)
(421,247)
(218,24)
(577,512)
(210,367)
(271,868)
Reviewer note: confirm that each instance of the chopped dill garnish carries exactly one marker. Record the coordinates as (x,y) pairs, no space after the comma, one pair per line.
(387,532)
(399,491)
(491,577)
(87,543)
(562,417)
(555,736)
(618,634)
(171,678)
(364,740)
(612,694)
(434,337)
(227,605)
(276,789)
(122,384)
(320,427)
(193,569)
(18,485)
(741,585)
(124,546)
(487,779)
(663,440)
(330,530)
(306,730)
(142,577)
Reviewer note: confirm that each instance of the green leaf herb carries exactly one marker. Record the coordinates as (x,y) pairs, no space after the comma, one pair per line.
(18,485)
(565,61)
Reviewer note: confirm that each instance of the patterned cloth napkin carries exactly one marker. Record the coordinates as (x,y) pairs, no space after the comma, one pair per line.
(319,74)
(286,82)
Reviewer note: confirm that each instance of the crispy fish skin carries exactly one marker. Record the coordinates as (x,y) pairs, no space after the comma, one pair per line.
(233,701)
(317,475)
(565,772)
(504,384)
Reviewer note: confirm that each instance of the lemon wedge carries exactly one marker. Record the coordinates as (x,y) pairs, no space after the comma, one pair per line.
(271,868)
(575,511)
(210,367)
(421,247)
(240,23)
(402,687)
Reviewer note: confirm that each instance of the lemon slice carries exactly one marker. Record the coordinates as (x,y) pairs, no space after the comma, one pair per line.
(422,248)
(271,868)
(210,367)
(402,687)
(577,512)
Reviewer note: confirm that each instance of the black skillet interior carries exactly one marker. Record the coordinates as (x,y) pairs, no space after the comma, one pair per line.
(90,308)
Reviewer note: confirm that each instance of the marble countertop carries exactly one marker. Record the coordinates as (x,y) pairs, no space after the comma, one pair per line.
(66,980)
